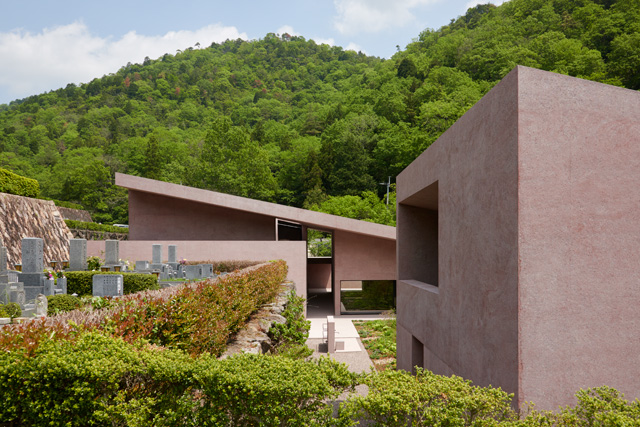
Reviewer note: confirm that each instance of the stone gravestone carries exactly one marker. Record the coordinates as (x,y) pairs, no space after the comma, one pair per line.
(156,258)
(32,266)
(77,254)
(191,272)
(42,305)
(32,255)
(3,259)
(142,265)
(173,256)
(61,286)
(49,287)
(111,253)
(107,285)
(206,270)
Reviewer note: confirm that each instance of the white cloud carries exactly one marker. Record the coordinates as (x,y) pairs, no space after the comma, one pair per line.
(288,29)
(34,63)
(330,41)
(358,16)
(354,47)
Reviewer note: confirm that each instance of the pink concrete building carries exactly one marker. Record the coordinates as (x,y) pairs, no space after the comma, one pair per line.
(518,240)
(210,225)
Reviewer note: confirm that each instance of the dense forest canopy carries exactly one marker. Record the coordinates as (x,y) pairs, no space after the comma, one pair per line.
(286,120)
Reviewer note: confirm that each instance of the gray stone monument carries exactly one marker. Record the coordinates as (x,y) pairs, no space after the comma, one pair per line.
(173,256)
(107,285)
(172,253)
(156,257)
(61,285)
(3,259)
(77,254)
(206,270)
(142,265)
(32,255)
(112,253)
(49,287)
(32,265)
(191,272)
(42,305)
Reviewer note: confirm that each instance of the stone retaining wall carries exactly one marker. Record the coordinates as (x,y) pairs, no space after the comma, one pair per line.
(22,217)
(254,338)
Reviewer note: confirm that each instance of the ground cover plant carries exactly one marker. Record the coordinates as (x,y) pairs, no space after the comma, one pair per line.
(379,339)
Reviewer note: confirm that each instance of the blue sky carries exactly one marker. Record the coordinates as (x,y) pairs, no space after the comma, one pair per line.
(45,44)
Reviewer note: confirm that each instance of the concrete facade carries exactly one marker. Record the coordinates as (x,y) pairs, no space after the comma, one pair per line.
(518,240)
(232,227)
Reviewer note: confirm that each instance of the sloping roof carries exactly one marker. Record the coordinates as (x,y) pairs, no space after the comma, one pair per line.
(309,218)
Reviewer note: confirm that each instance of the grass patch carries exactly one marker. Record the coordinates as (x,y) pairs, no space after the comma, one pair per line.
(379,338)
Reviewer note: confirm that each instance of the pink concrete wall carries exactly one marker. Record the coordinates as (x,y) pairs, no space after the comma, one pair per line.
(468,323)
(579,219)
(153,215)
(319,274)
(294,253)
(360,257)
(538,224)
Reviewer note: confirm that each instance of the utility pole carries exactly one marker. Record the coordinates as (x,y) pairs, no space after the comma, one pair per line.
(388,184)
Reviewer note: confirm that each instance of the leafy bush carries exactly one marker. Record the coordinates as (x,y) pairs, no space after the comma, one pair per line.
(11,310)
(81,282)
(252,390)
(93,263)
(397,398)
(64,204)
(289,338)
(12,183)
(62,303)
(199,317)
(81,225)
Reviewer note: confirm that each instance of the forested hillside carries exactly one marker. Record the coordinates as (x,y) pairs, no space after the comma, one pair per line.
(287,120)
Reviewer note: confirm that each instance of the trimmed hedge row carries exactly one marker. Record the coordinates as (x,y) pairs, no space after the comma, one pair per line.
(81,282)
(81,225)
(12,183)
(102,380)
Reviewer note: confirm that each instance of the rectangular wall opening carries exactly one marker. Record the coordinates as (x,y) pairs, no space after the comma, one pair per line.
(418,224)
(367,296)
(417,354)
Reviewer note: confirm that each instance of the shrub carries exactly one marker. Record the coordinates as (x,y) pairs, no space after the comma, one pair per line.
(397,398)
(81,282)
(93,263)
(62,303)
(12,183)
(11,309)
(254,390)
(199,317)
(290,338)
(80,225)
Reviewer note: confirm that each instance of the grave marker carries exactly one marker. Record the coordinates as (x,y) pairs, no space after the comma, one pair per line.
(77,254)
(107,285)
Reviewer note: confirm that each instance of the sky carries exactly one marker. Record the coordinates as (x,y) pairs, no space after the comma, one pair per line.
(46,44)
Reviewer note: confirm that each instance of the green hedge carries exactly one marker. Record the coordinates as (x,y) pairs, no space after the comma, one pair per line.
(64,204)
(81,282)
(19,185)
(95,379)
(80,225)
(62,303)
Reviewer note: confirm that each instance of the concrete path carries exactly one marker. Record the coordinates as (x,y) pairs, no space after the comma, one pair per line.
(354,353)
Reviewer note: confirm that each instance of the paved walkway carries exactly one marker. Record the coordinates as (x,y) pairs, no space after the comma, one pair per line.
(319,306)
